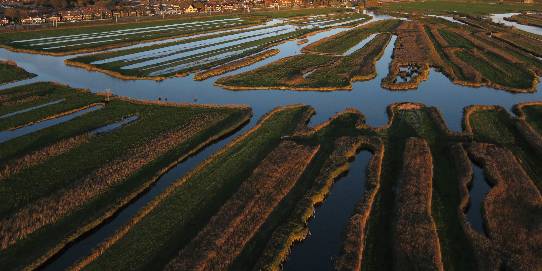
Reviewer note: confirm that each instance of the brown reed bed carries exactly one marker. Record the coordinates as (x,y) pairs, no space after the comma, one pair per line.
(486,256)
(512,209)
(295,229)
(235,65)
(238,220)
(351,255)
(416,242)
(414,51)
(155,203)
(37,157)
(50,209)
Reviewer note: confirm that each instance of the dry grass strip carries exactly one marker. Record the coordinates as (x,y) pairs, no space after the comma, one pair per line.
(50,209)
(98,251)
(487,257)
(284,237)
(513,208)
(413,48)
(237,221)
(351,256)
(416,244)
(38,156)
(232,66)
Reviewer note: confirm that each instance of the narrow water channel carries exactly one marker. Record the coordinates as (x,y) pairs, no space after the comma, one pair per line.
(317,252)
(115,125)
(11,134)
(478,192)
(500,18)
(31,108)
(84,245)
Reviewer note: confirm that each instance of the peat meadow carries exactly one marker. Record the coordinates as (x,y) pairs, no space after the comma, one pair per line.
(389,136)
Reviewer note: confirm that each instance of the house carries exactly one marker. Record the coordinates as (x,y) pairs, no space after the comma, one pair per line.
(32,20)
(53,19)
(190,9)
(211,7)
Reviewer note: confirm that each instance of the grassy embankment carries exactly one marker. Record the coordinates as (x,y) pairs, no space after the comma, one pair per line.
(77,46)
(168,223)
(318,71)
(10,72)
(533,115)
(47,202)
(411,120)
(461,7)
(23,97)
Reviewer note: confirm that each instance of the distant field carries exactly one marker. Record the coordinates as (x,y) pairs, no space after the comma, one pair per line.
(90,38)
(178,58)
(461,7)
(10,72)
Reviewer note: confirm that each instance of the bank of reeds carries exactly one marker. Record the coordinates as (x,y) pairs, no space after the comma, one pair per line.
(351,256)
(416,243)
(486,256)
(512,209)
(296,229)
(239,219)
(414,51)
(38,156)
(232,66)
(155,203)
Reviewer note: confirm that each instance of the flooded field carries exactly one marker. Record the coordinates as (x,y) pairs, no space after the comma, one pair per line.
(428,73)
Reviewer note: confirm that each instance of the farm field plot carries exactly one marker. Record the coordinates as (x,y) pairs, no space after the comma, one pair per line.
(60,182)
(316,70)
(10,72)
(93,38)
(180,58)
(466,54)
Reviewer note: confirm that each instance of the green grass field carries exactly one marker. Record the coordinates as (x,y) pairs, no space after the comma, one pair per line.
(10,72)
(497,127)
(59,174)
(533,115)
(23,97)
(343,41)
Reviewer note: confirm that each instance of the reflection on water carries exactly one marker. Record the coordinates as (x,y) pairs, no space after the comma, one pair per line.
(499,18)
(330,220)
(478,192)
